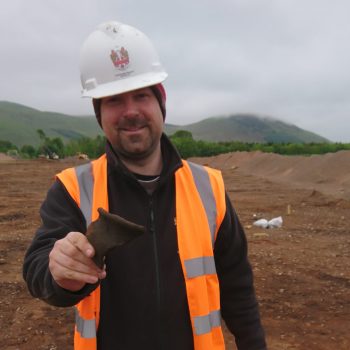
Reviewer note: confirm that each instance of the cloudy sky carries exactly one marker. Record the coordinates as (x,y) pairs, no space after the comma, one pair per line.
(288,59)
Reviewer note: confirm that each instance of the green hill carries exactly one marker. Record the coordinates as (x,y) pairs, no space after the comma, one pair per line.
(19,125)
(247,128)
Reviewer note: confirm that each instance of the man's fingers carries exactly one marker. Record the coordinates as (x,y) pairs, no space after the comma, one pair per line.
(80,241)
(80,277)
(66,270)
(70,262)
(72,257)
(64,276)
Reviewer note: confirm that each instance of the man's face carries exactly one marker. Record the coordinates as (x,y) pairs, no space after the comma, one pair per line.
(133,123)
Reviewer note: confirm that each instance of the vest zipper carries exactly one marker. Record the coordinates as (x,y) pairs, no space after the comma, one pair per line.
(156,260)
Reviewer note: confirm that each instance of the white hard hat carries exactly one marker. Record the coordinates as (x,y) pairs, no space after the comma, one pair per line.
(117,58)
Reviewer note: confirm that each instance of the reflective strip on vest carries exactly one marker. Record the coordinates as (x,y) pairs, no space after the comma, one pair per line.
(200,266)
(86,188)
(204,324)
(202,181)
(86,328)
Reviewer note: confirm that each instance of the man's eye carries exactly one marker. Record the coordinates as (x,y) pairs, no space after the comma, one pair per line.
(113,100)
(142,95)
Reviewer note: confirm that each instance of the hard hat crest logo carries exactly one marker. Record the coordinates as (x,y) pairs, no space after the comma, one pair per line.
(120,58)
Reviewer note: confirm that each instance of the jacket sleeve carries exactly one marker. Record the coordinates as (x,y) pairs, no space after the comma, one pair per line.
(60,215)
(239,306)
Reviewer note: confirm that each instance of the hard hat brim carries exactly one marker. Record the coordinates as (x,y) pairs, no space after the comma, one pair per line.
(125,85)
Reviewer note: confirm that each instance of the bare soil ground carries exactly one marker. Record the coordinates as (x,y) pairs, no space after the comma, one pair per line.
(302,270)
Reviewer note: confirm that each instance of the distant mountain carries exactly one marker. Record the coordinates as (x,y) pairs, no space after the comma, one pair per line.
(19,124)
(247,128)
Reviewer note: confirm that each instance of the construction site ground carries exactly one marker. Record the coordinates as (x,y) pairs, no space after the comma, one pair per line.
(302,269)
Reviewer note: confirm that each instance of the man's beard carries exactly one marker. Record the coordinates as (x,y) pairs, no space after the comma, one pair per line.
(126,148)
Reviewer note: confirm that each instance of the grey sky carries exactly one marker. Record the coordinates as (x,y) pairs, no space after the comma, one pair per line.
(287,59)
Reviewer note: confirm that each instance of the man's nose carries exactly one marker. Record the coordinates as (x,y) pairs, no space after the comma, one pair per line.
(130,107)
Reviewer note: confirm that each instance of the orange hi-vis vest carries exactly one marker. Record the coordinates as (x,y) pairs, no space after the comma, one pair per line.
(200,209)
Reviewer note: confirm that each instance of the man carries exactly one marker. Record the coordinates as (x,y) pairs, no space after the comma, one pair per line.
(168,288)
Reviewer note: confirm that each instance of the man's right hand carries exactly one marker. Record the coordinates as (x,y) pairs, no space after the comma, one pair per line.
(70,262)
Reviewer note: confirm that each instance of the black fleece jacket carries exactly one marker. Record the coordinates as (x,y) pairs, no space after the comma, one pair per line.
(143,297)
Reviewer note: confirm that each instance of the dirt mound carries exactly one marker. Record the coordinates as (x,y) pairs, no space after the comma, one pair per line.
(329,173)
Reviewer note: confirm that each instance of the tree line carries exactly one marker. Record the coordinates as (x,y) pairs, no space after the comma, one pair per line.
(55,148)
(188,147)
(183,140)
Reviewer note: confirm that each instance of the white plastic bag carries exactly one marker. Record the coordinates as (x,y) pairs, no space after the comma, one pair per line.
(261,223)
(273,223)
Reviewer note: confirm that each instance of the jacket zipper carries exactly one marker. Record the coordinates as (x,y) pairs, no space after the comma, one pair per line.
(156,260)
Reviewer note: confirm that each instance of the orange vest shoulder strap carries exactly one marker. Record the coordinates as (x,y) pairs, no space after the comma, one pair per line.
(87,185)
(200,208)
